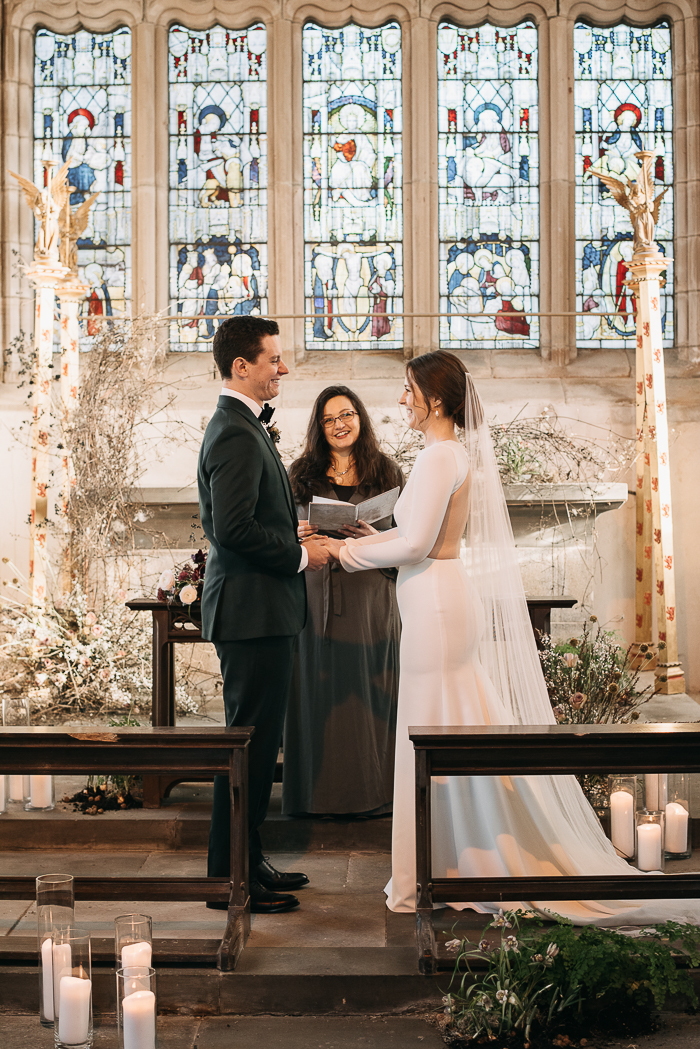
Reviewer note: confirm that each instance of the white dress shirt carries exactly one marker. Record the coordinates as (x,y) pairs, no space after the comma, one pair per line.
(256,409)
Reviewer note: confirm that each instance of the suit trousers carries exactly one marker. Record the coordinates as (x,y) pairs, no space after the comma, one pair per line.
(256,675)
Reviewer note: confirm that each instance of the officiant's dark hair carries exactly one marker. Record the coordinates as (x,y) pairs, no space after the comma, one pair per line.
(441,376)
(375,471)
(240,337)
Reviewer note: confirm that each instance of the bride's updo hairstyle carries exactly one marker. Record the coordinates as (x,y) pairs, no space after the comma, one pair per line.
(441,376)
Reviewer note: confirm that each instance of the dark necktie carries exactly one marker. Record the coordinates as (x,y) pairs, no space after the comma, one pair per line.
(266,414)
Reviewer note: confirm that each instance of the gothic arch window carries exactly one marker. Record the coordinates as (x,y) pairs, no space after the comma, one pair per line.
(623,103)
(488,184)
(82,113)
(218,178)
(353,208)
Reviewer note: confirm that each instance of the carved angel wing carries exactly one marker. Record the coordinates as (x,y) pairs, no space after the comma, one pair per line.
(59,186)
(79,217)
(617,188)
(657,204)
(32,193)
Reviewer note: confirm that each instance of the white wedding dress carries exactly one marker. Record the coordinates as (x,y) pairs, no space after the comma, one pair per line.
(482,826)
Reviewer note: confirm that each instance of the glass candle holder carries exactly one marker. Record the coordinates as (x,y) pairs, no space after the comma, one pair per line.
(136,1007)
(15,711)
(4,792)
(133,940)
(678,834)
(623,805)
(41,794)
(72,981)
(650,841)
(655,792)
(55,907)
(18,789)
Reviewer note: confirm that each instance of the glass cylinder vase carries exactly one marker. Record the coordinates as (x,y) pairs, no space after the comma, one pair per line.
(42,795)
(72,971)
(678,831)
(55,907)
(136,1007)
(650,841)
(18,789)
(15,711)
(655,792)
(133,940)
(623,805)
(4,792)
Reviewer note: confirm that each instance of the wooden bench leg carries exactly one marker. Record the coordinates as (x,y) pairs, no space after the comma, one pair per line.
(425,934)
(238,924)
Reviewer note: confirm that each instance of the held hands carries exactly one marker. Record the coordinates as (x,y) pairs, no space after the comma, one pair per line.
(321,548)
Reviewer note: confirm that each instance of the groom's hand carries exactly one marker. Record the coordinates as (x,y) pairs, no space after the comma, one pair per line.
(319,554)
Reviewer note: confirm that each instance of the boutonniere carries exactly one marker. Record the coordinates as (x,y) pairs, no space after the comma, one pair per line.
(274,433)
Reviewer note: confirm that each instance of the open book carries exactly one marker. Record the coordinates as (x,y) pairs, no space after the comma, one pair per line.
(328,515)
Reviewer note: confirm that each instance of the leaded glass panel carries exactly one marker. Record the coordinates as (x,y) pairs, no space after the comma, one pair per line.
(218,178)
(353,220)
(488,184)
(623,103)
(82,112)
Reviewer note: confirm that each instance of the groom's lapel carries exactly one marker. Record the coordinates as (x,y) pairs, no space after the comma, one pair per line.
(246,414)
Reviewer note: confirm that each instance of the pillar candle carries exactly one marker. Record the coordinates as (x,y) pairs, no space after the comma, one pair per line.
(16,788)
(676,828)
(656,792)
(622,822)
(3,799)
(139,1019)
(40,791)
(136,954)
(61,966)
(47,978)
(649,847)
(74,1010)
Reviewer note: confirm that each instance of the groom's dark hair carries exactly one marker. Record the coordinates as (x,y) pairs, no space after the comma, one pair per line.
(240,337)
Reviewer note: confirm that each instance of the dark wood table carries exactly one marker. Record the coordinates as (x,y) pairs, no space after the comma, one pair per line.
(153,751)
(540,609)
(548,750)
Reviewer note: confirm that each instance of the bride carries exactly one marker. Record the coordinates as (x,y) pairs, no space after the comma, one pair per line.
(468,657)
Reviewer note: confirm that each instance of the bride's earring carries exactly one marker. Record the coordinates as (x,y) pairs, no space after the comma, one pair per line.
(437,414)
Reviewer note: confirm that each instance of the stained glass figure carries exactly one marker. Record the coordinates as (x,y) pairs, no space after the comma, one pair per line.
(623,103)
(488,185)
(218,178)
(82,113)
(353,218)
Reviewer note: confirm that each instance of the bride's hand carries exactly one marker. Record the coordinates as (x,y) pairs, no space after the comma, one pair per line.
(358,530)
(334,547)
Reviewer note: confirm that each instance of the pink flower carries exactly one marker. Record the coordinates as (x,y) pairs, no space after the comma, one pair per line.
(167,580)
(98,631)
(105,674)
(121,594)
(577,700)
(188,594)
(90,618)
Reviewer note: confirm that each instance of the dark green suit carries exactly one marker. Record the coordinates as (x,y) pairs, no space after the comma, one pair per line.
(254,599)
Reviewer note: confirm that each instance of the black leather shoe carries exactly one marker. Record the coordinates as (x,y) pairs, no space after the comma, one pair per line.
(275,880)
(262,901)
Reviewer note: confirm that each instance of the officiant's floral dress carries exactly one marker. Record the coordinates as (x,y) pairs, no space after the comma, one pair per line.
(340,730)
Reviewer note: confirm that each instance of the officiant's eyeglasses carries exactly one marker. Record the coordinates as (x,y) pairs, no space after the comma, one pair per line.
(345,417)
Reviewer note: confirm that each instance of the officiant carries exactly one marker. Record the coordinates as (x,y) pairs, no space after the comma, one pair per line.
(341,717)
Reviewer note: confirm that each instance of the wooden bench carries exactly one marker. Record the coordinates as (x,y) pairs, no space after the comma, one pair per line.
(150,751)
(526,750)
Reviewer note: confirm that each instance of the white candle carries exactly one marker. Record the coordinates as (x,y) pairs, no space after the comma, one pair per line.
(622,822)
(61,966)
(40,791)
(649,847)
(47,978)
(139,1018)
(3,799)
(136,954)
(74,1010)
(656,792)
(16,788)
(676,828)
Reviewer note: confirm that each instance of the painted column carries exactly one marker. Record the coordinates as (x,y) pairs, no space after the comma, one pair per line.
(71,293)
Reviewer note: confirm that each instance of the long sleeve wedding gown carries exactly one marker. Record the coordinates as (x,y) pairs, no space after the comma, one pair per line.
(482,826)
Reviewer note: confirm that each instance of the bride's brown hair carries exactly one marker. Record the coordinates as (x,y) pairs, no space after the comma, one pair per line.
(441,376)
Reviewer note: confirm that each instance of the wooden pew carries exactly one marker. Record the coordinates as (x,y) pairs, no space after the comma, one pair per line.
(148,751)
(531,750)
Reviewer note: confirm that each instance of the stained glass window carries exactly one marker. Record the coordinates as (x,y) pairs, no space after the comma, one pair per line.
(488,179)
(82,112)
(353,221)
(623,104)
(218,178)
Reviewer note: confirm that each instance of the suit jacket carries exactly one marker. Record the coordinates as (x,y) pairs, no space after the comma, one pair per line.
(252,586)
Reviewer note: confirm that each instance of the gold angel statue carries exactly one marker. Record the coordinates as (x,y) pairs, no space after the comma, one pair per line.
(46,204)
(638,198)
(71,224)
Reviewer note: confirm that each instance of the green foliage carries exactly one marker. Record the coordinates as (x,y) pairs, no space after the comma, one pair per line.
(537,982)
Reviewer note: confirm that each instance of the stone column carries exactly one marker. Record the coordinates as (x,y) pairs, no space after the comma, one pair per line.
(44,274)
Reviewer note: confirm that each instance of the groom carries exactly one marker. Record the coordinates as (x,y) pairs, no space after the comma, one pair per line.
(254,599)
